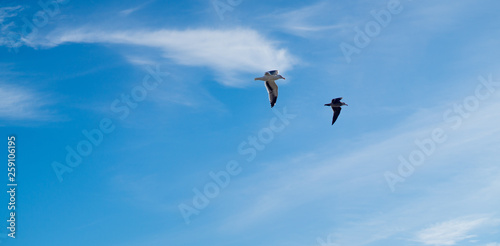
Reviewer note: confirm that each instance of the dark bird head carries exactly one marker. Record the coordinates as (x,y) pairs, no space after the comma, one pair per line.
(343,103)
(281,77)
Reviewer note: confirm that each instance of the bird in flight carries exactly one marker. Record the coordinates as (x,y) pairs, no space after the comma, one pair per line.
(270,77)
(336,106)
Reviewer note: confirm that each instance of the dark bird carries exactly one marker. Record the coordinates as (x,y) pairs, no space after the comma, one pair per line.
(270,77)
(336,106)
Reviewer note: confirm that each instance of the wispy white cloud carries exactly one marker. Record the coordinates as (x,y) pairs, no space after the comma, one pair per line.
(328,17)
(6,26)
(137,60)
(450,232)
(436,16)
(9,12)
(229,53)
(493,244)
(134,9)
(17,103)
(307,21)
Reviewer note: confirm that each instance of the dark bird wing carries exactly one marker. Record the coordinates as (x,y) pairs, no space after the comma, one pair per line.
(336,112)
(336,100)
(272,72)
(272,89)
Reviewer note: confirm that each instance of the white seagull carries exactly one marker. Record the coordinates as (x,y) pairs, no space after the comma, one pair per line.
(270,77)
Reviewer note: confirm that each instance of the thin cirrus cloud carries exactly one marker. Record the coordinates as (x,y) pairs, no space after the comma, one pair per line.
(315,20)
(229,53)
(450,232)
(6,14)
(134,9)
(307,21)
(17,103)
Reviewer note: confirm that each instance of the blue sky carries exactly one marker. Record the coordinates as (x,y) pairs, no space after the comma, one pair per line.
(187,151)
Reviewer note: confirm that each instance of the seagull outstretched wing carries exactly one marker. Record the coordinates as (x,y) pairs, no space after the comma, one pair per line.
(336,113)
(272,72)
(336,100)
(272,89)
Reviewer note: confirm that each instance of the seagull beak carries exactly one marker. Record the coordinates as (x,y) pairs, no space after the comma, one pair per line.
(283,77)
